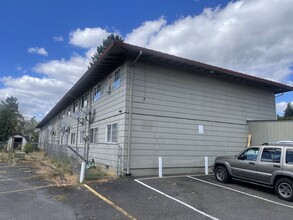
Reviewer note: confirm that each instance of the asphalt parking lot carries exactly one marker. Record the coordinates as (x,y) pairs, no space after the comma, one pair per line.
(24,195)
(194,197)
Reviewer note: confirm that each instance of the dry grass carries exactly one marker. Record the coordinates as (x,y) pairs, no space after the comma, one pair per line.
(52,170)
(59,173)
(6,157)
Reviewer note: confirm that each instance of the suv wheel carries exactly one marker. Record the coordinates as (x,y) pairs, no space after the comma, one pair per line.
(222,174)
(284,189)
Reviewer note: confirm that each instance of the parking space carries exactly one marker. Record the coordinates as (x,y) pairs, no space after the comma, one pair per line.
(205,196)
(23,195)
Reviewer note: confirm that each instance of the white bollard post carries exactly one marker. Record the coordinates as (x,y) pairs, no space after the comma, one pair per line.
(160,167)
(82,172)
(206,165)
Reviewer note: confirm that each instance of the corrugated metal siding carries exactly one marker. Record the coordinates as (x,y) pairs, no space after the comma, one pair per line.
(270,131)
(168,106)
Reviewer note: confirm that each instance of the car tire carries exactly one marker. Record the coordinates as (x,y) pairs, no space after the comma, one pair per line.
(284,189)
(222,174)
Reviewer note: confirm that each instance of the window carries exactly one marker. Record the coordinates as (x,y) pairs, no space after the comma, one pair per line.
(114,79)
(94,135)
(289,156)
(72,138)
(68,112)
(271,155)
(84,100)
(97,92)
(81,137)
(75,106)
(112,133)
(104,87)
(250,154)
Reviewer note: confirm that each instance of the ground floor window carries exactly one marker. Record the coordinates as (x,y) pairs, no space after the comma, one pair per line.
(112,133)
(94,135)
(72,138)
(81,137)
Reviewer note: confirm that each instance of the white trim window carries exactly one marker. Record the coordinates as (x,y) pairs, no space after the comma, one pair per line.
(112,133)
(84,100)
(94,135)
(75,106)
(115,79)
(81,137)
(72,138)
(104,87)
(97,92)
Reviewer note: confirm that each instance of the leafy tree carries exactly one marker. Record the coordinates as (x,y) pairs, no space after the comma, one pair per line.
(106,43)
(11,121)
(30,131)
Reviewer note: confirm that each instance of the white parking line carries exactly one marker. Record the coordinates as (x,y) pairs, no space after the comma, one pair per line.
(168,177)
(241,192)
(177,200)
(2,180)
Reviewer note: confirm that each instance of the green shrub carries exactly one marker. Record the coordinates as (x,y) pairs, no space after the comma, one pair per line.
(28,148)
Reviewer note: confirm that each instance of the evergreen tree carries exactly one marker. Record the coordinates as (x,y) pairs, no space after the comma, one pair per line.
(11,121)
(288,111)
(106,43)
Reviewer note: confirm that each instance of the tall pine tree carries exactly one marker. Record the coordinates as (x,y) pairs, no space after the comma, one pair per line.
(106,43)
(288,111)
(11,121)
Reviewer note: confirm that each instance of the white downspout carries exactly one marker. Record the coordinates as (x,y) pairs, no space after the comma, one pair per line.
(130,112)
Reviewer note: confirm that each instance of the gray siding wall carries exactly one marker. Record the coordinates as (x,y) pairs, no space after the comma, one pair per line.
(110,108)
(270,131)
(168,107)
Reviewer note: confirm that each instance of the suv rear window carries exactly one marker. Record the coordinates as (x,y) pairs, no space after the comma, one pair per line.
(289,156)
(271,155)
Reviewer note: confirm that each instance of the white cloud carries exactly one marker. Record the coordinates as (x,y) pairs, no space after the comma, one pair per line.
(65,70)
(58,38)
(146,32)
(280,107)
(38,50)
(250,36)
(36,96)
(88,37)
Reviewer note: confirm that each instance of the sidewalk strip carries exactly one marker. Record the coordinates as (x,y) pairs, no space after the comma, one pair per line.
(244,193)
(177,200)
(109,202)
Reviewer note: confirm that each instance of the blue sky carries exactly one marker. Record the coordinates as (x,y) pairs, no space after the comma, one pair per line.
(46,45)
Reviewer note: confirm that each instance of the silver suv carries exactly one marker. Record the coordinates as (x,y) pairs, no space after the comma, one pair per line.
(270,165)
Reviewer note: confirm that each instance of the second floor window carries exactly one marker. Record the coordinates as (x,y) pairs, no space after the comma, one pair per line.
(75,106)
(114,79)
(84,100)
(97,92)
